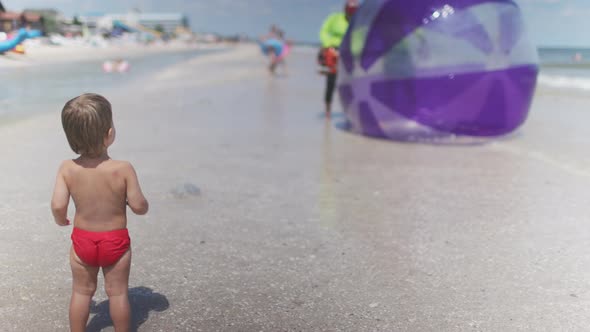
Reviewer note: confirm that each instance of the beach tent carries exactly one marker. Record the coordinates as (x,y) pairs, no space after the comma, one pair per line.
(123,26)
(146,33)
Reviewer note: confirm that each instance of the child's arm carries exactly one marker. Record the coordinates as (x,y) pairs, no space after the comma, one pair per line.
(60,199)
(135,199)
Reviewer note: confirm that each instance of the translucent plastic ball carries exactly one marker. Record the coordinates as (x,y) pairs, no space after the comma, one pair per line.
(437,69)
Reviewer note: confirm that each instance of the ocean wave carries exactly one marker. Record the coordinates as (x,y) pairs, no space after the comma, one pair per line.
(564,82)
(565,65)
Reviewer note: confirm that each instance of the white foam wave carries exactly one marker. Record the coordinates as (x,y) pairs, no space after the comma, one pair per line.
(564,82)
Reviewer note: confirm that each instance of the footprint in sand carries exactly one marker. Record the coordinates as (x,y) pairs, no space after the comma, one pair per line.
(185,190)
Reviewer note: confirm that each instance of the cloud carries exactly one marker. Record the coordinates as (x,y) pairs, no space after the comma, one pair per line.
(573,11)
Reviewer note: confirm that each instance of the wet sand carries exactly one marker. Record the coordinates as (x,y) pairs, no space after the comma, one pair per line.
(266,217)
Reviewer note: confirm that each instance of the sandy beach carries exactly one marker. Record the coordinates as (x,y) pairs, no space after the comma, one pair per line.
(40,54)
(267,217)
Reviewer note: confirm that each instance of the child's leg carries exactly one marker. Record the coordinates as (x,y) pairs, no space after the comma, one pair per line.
(273,62)
(83,288)
(116,284)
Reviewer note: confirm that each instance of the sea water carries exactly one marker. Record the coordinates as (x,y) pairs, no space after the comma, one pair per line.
(567,68)
(28,90)
(44,88)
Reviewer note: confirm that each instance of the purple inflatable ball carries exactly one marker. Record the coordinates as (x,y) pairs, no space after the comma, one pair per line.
(439,71)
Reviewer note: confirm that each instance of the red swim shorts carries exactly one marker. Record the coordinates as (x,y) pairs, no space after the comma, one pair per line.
(100,248)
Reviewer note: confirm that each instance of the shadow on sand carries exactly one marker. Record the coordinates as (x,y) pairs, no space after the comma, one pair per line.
(430,138)
(333,116)
(142,300)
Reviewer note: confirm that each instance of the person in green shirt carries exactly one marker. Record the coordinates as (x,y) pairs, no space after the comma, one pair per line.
(333,30)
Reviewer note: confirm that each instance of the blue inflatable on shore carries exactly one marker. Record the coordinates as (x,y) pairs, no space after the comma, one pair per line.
(21,35)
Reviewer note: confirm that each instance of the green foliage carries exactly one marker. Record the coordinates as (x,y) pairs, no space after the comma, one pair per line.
(159,28)
(51,24)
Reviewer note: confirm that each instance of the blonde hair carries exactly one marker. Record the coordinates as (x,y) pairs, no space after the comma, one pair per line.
(86,120)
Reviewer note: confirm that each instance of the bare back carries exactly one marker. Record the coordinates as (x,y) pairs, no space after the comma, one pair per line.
(99,192)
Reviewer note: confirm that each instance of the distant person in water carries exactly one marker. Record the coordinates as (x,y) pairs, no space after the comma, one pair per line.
(102,189)
(117,65)
(331,34)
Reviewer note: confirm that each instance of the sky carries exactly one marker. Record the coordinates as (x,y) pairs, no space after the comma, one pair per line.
(557,23)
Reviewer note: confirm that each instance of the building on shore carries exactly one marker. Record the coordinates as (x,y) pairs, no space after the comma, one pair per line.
(10,21)
(162,22)
(51,19)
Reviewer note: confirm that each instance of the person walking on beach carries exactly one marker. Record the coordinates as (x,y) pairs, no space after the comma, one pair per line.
(273,32)
(101,189)
(331,34)
(282,58)
(273,48)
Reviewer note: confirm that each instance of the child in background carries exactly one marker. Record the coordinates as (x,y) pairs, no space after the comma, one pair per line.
(101,189)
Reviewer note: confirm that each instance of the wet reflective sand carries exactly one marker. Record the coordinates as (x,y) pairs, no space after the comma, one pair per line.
(267,217)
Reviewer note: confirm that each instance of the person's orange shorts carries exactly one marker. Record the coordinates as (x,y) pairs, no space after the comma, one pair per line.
(328,57)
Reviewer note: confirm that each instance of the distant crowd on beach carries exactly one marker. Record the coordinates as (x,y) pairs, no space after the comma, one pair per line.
(92,29)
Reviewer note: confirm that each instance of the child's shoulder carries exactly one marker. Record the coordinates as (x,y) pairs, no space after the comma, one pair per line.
(120,165)
(67,165)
